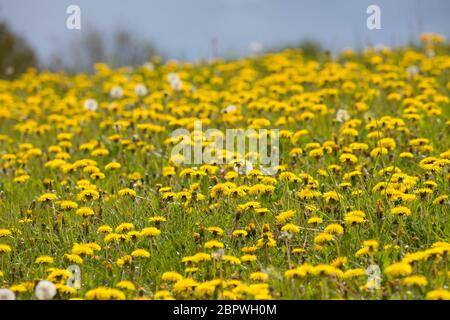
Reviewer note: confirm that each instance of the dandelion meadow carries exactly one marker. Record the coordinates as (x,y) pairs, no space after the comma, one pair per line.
(95,205)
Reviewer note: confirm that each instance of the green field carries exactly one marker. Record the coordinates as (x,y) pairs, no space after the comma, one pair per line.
(358,207)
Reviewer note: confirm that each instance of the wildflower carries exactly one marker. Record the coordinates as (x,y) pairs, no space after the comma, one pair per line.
(298,251)
(259,276)
(22,178)
(124,227)
(104,293)
(215,231)
(88,194)
(371,244)
(112,166)
(19,288)
(150,232)
(162,295)
(213,244)
(353,219)
(46,197)
(127,192)
(65,290)
(124,260)
(5,233)
(248,258)
(104,229)
(44,260)
(290,228)
(323,237)
(231,260)
(4,248)
(295,273)
(67,205)
(127,285)
(248,206)
(184,285)
(440,200)
(141,253)
(157,219)
(240,233)
(82,249)
(85,212)
(315,220)
(438,294)
(331,196)
(378,151)
(285,216)
(57,275)
(74,258)
(334,228)
(400,211)
(323,269)
(353,273)
(171,276)
(398,269)
(419,281)
(408,155)
(348,158)
(267,241)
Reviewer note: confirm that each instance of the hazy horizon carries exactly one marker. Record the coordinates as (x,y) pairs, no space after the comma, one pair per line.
(185,30)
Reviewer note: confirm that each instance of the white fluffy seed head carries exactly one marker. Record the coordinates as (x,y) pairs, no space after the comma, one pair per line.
(230,109)
(45,290)
(6,294)
(116,92)
(140,90)
(342,115)
(91,104)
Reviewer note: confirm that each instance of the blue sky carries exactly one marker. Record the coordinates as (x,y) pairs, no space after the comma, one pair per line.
(184,29)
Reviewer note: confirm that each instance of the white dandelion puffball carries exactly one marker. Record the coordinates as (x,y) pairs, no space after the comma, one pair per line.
(149,66)
(6,294)
(116,92)
(342,115)
(91,104)
(176,85)
(218,254)
(412,71)
(173,77)
(140,90)
(174,81)
(231,108)
(45,290)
